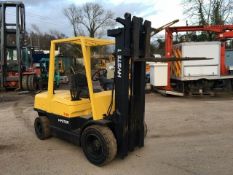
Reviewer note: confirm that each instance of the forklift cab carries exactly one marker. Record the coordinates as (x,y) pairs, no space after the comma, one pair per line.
(76,101)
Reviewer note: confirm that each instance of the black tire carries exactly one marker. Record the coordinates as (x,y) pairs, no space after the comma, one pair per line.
(40,84)
(42,127)
(25,82)
(32,86)
(145,129)
(99,144)
(29,82)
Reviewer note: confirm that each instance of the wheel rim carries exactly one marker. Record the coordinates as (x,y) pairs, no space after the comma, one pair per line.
(94,147)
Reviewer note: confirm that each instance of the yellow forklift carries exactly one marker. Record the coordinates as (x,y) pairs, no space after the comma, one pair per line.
(109,121)
(103,122)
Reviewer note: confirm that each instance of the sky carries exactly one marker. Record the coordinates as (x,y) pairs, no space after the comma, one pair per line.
(48,14)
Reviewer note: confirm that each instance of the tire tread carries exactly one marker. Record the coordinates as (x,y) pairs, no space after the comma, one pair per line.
(110,140)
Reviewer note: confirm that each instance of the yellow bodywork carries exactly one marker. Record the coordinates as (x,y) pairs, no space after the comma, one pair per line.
(59,102)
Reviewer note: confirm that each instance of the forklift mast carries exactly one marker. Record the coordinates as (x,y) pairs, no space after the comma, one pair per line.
(132,46)
(11,31)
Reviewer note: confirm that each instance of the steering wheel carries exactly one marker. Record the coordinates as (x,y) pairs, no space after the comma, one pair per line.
(99,73)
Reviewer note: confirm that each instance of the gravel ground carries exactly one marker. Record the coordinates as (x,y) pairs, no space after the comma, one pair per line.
(185,136)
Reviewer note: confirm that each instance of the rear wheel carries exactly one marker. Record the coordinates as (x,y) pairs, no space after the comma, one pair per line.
(42,128)
(145,129)
(32,86)
(25,82)
(99,144)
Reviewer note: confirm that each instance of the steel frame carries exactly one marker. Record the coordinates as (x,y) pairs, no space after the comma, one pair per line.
(18,31)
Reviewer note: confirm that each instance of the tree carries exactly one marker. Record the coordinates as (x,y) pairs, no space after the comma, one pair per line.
(71,13)
(89,18)
(206,12)
(40,40)
(231,20)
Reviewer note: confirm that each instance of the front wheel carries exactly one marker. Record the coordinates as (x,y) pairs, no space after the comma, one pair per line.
(99,144)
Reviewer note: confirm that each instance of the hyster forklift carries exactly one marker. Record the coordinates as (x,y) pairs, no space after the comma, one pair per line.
(107,121)
(103,122)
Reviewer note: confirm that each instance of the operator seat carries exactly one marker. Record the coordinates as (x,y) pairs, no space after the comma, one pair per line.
(79,87)
(107,84)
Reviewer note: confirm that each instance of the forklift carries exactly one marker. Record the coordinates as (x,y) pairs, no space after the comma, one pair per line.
(109,121)
(12,35)
(104,122)
(16,58)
